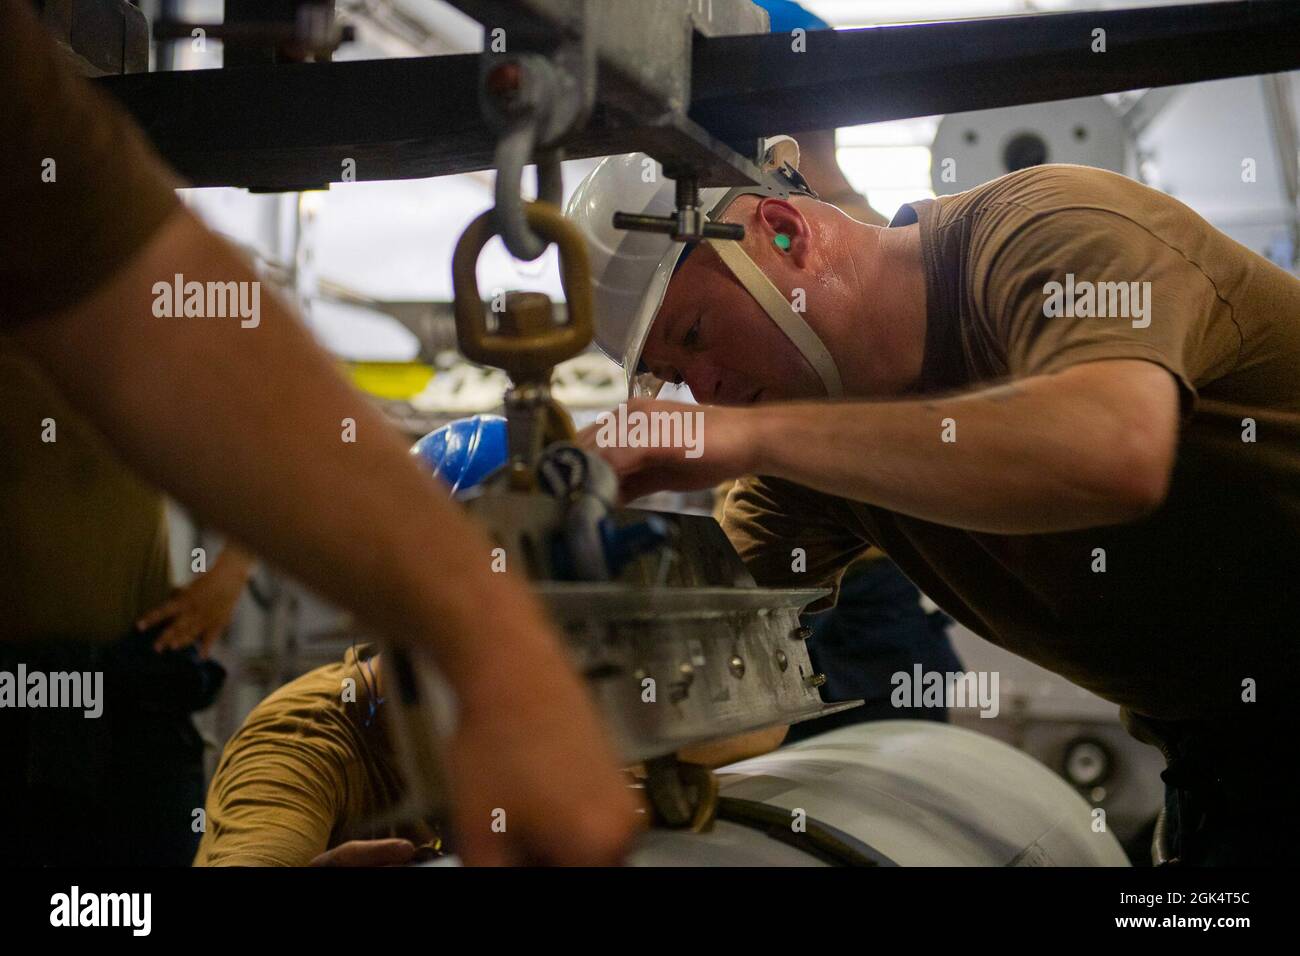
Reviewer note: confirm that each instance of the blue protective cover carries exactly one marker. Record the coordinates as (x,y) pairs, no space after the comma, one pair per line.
(785,15)
(464,452)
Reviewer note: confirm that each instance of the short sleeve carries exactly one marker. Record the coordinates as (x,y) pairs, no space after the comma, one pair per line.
(1081,285)
(791,536)
(82,189)
(282,787)
(274,800)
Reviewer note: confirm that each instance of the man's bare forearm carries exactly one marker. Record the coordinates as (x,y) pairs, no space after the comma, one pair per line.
(1088,446)
(247,426)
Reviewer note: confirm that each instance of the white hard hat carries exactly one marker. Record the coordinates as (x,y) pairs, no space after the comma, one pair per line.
(630,269)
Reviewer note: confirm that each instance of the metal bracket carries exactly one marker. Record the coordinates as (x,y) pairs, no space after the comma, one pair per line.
(102,37)
(532,96)
(547,87)
(689,223)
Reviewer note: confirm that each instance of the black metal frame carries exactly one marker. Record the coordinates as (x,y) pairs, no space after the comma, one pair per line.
(287,126)
(755,85)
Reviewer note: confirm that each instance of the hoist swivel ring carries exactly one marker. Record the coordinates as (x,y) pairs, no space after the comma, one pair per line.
(527,343)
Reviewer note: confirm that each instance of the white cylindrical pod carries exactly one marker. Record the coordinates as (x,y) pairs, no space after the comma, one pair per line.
(911,793)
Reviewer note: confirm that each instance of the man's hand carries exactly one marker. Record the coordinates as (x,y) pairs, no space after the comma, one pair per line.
(722,433)
(393,852)
(541,739)
(200,612)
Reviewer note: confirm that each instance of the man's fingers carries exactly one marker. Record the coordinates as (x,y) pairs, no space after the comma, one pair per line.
(604,837)
(162,612)
(490,850)
(180,634)
(624,461)
(604,842)
(595,834)
(169,637)
(393,852)
(206,641)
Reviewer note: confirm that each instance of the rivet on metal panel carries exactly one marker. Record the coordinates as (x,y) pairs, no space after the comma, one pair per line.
(678,689)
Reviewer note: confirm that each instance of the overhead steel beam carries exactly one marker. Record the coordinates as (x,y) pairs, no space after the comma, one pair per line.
(291,126)
(296,125)
(758,85)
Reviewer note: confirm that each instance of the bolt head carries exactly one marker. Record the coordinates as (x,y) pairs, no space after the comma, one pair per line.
(504,79)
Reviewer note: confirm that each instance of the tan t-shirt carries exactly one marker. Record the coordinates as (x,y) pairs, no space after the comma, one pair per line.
(1196,600)
(83,541)
(81,189)
(83,547)
(305,772)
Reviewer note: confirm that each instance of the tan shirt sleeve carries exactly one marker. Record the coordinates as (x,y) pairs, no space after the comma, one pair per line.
(293,775)
(1132,296)
(791,536)
(81,188)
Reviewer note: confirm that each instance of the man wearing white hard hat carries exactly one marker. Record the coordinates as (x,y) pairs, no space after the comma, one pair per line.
(1063,403)
(631,270)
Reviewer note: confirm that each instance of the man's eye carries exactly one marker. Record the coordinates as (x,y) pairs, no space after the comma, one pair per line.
(691,336)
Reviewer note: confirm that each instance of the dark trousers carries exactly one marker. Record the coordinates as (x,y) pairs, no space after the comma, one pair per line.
(117,790)
(1224,802)
(876,629)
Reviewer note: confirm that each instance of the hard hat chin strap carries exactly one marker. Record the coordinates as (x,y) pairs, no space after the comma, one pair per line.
(780,311)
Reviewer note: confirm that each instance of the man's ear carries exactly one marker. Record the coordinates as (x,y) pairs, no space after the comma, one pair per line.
(779,217)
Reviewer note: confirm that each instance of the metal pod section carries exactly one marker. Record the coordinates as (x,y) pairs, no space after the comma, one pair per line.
(723,652)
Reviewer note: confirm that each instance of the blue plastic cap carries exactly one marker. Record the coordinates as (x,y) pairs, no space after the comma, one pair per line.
(464,452)
(785,15)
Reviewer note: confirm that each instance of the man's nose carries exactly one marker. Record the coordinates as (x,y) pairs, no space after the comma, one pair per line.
(704,381)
